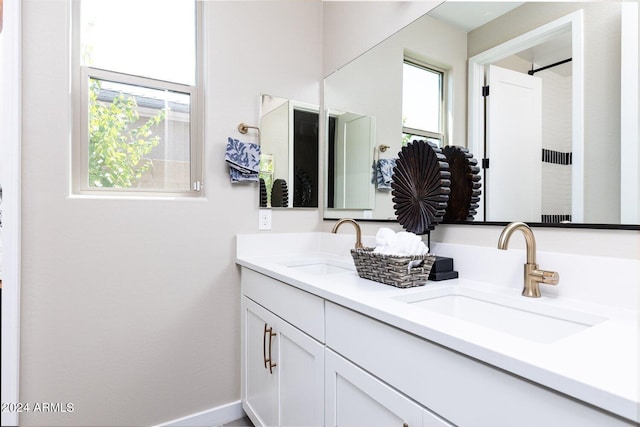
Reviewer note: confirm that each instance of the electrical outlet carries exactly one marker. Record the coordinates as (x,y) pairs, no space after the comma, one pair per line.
(264,219)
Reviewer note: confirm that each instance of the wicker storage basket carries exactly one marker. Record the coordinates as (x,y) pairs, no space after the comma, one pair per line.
(392,269)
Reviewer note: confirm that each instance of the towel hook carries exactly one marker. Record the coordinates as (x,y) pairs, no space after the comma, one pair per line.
(377,150)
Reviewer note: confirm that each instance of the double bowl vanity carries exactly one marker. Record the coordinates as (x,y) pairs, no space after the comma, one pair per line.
(322,346)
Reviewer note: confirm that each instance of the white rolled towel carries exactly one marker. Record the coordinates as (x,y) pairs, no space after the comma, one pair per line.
(385,237)
(401,244)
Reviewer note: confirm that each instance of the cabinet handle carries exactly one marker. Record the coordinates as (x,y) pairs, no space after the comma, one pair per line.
(405,425)
(264,345)
(271,364)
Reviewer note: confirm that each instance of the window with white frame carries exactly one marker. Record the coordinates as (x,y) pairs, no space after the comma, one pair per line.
(138,108)
(423,102)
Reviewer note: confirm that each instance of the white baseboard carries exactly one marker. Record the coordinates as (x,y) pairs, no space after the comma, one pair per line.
(210,417)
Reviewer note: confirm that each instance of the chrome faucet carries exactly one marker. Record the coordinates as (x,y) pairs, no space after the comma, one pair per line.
(358,231)
(532,275)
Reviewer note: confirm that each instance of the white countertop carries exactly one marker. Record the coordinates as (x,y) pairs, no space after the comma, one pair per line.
(598,365)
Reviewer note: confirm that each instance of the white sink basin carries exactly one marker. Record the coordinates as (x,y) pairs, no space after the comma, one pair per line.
(321,266)
(519,316)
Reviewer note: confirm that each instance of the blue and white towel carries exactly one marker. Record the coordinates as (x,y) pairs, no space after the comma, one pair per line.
(243,159)
(383,174)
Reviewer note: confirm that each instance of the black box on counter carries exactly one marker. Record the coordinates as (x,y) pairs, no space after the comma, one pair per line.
(442,269)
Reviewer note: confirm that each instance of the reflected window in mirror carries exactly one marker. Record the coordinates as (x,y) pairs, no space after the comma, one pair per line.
(423,101)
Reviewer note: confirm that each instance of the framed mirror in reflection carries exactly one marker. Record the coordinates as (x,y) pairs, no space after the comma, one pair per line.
(554,153)
(289,162)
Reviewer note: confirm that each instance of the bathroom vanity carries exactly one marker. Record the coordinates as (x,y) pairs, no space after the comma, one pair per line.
(322,346)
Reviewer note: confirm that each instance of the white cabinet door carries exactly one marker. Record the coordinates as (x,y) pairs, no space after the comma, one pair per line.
(283,371)
(301,372)
(260,385)
(354,398)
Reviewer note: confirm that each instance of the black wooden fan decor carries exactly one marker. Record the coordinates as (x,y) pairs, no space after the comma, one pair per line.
(420,186)
(279,194)
(465,184)
(263,193)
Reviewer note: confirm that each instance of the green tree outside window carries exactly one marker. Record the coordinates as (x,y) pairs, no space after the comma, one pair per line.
(116,146)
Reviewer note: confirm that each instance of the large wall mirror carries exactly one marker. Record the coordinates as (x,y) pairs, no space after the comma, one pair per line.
(289,146)
(558,129)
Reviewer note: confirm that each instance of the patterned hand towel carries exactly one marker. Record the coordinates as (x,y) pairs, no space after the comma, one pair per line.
(243,159)
(384,173)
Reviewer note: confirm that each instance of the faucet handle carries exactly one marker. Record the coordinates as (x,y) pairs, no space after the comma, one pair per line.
(550,277)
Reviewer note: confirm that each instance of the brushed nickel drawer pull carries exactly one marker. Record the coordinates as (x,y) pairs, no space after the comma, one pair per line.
(264,345)
(271,364)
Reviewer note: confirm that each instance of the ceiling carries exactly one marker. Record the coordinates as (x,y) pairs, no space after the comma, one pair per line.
(550,52)
(469,15)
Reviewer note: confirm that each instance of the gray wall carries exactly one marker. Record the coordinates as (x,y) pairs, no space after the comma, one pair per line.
(130,308)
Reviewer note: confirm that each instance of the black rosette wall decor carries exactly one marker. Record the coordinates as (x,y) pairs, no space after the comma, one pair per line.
(420,187)
(465,184)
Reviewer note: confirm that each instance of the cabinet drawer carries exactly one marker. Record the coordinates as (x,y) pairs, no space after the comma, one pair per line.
(302,309)
(460,389)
